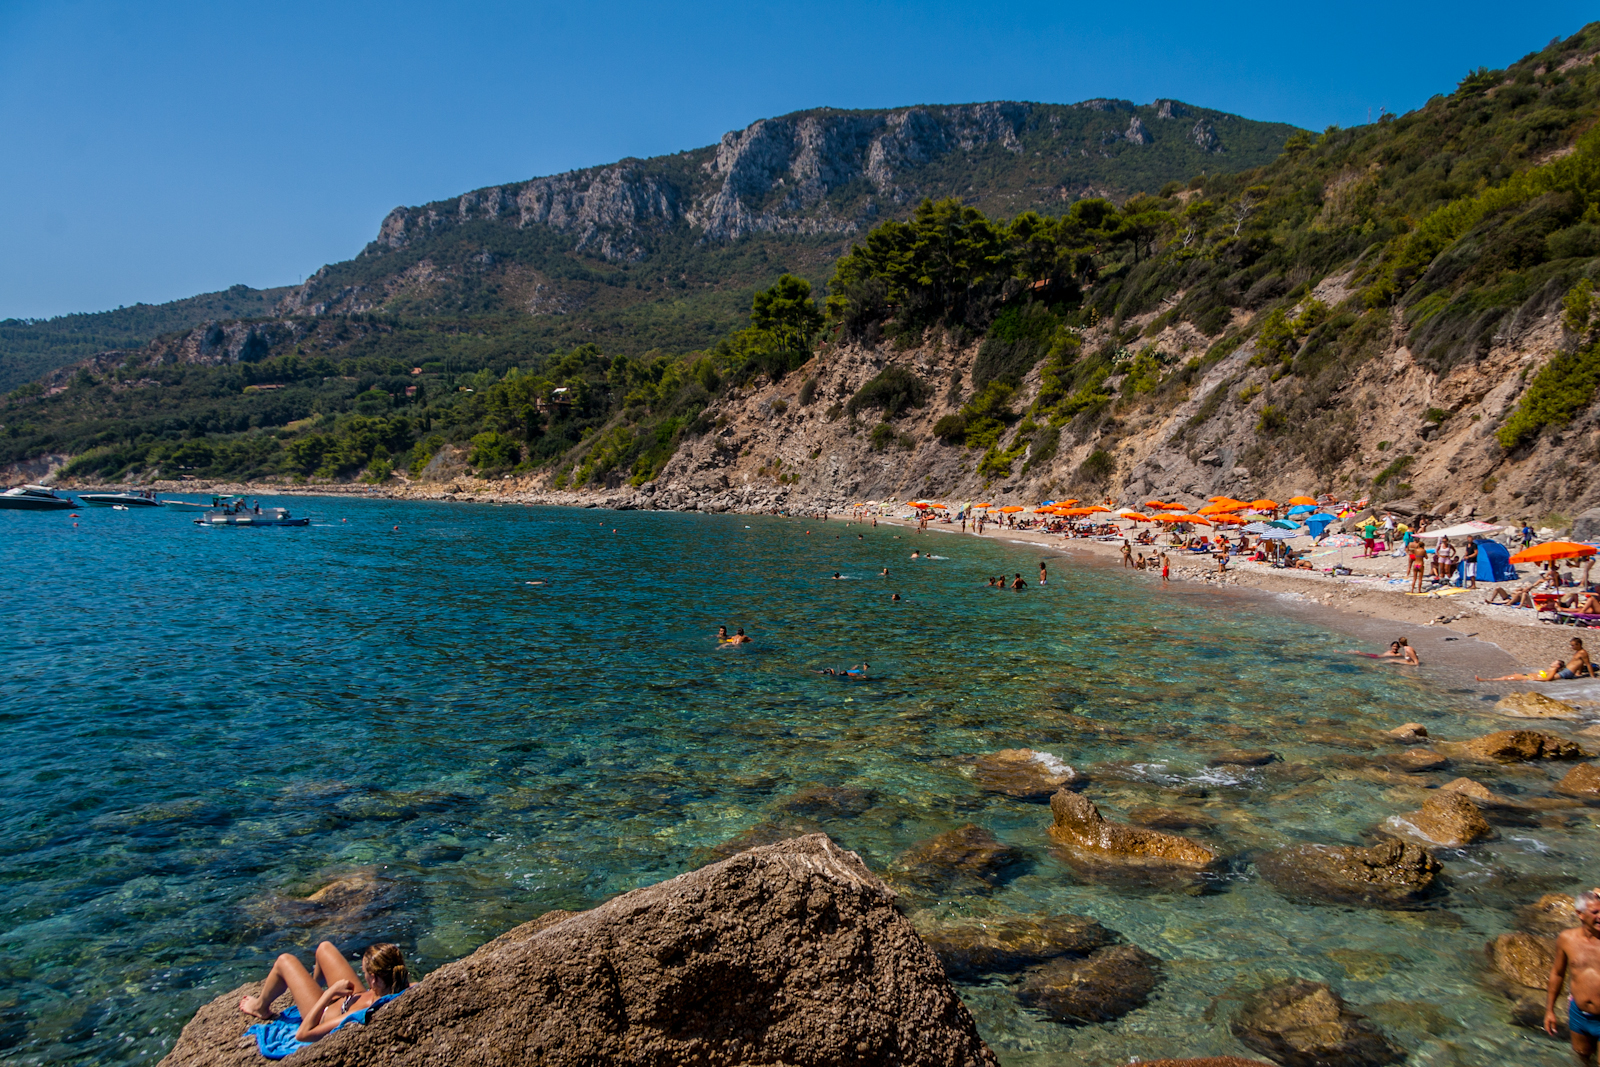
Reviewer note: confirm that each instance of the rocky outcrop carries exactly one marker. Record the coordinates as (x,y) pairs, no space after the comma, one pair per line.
(1582,781)
(1023,773)
(1391,873)
(792,953)
(969,947)
(1447,818)
(1520,746)
(1307,1024)
(1535,706)
(1106,985)
(1081,828)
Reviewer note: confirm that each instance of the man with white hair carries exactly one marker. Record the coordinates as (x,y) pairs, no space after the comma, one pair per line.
(1578,957)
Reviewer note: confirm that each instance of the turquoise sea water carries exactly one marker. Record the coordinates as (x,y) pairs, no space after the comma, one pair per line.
(199,727)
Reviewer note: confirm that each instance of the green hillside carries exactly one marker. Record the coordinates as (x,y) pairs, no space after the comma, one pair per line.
(30,348)
(1476,210)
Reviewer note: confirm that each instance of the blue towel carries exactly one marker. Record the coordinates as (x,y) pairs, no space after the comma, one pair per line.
(276,1038)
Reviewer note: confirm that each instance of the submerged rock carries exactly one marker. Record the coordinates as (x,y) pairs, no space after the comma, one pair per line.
(1411,731)
(1418,761)
(791,953)
(1535,706)
(1582,781)
(995,946)
(1082,829)
(352,901)
(1550,914)
(1243,758)
(1023,773)
(1106,985)
(1521,746)
(828,802)
(766,832)
(968,854)
(1159,818)
(1523,959)
(1447,818)
(1391,873)
(1307,1024)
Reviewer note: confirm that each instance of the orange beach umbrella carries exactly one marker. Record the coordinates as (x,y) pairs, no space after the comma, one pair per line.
(1198,520)
(1264,504)
(1553,550)
(1135,516)
(985,504)
(1160,506)
(1011,508)
(1296,501)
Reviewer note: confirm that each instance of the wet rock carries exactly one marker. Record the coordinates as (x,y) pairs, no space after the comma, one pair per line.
(1411,731)
(1159,818)
(1418,761)
(1106,985)
(1307,1024)
(1470,788)
(1550,914)
(1447,818)
(828,802)
(1258,757)
(969,854)
(1487,798)
(792,953)
(1391,873)
(350,902)
(1523,958)
(1080,826)
(1023,773)
(1535,706)
(1521,746)
(1582,781)
(970,947)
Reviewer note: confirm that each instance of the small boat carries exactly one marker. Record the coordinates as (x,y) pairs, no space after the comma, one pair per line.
(123,500)
(267,517)
(35,498)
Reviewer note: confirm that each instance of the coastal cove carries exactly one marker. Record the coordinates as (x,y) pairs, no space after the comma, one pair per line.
(224,744)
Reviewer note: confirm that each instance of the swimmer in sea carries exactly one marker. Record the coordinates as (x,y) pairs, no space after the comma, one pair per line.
(1019,583)
(1041,572)
(856,672)
(722,635)
(885,573)
(837,575)
(1558,669)
(895,597)
(916,555)
(739,638)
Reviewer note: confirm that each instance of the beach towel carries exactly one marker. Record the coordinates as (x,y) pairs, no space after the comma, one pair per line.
(276,1038)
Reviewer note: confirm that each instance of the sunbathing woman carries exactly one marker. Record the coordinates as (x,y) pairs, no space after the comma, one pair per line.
(323,1010)
(1522,599)
(1558,669)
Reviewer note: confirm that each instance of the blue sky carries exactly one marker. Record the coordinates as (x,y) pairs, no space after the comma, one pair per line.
(156,150)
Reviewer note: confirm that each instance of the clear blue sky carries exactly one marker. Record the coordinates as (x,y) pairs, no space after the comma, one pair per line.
(155,150)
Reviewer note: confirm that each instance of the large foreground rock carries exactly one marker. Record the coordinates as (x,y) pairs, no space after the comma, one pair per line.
(1023,773)
(1080,826)
(790,953)
(1306,1024)
(1391,873)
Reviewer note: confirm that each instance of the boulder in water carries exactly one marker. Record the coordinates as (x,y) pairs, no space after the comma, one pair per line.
(1550,914)
(1447,818)
(1523,959)
(1023,773)
(827,802)
(1418,761)
(1582,781)
(1241,757)
(1106,985)
(969,947)
(1532,705)
(1391,873)
(1411,731)
(1307,1024)
(1084,831)
(790,953)
(1521,746)
(968,854)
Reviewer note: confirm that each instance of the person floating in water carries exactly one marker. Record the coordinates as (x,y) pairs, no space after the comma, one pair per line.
(884,573)
(846,672)
(895,597)
(1577,957)
(322,1011)
(1400,651)
(916,555)
(837,575)
(739,637)
(722,635)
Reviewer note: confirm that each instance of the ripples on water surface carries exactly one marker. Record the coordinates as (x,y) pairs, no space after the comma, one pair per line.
(199,725)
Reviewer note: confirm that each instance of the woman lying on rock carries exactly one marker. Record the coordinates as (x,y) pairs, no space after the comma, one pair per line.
(318,1012)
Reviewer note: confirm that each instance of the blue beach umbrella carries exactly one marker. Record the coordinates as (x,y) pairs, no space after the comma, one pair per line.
(1283,524)
(1302,509)
(1317,523)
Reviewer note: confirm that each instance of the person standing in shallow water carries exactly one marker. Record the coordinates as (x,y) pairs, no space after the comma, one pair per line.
(1578,958)
(1042,576)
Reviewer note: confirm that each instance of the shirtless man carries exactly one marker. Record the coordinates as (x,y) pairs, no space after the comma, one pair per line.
(1019,583)
(1578,957)
(1042,576)
(1580,664)
(739,637)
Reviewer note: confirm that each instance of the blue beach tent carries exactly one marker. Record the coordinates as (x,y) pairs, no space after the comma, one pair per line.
(1317,523)
(1494,564)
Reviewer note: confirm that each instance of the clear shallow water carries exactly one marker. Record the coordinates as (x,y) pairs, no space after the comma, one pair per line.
(199,726)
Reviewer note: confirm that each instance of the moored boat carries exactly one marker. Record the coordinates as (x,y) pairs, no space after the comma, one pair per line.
(35,498)
(266,517)
(146,499)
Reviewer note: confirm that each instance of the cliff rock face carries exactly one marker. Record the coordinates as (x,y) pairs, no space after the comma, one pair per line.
(791,953)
